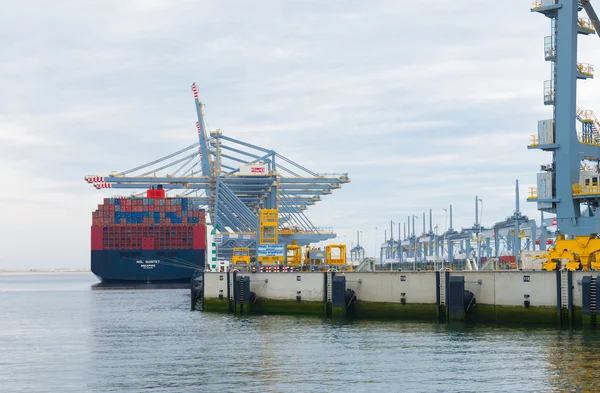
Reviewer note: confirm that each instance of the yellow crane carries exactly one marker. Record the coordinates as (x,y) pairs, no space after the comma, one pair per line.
(241,256)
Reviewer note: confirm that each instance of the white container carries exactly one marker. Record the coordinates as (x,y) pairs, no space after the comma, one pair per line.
(530,261)
(254,170)
(544,189)
(546,132)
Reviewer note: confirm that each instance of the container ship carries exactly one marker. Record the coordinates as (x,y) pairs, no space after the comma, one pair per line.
(152,239)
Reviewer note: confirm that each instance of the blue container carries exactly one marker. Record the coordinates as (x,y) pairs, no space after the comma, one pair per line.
(157,220)
(118,202)
(184,213)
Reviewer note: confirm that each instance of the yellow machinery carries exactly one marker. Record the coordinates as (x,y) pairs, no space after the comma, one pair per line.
(312,256)
(268,235)
(241,256)
(580,252)
(330,259)
(269,221)
(294,254)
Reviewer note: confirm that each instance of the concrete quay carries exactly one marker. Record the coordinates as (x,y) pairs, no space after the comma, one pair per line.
(558,298)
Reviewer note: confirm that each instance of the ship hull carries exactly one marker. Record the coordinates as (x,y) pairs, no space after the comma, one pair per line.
(146,266)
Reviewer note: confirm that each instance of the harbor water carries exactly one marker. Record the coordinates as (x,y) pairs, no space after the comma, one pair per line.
(60,332)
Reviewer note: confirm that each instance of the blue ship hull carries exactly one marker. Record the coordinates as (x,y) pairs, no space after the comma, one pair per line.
(147,266)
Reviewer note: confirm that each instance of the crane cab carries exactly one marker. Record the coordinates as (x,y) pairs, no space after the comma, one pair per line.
(588,178)
(241,256)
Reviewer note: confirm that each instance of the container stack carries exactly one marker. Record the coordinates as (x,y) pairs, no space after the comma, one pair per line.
(147,211)
(147,239)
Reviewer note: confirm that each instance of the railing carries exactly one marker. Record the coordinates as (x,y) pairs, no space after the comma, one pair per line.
(586,115)
(591,189)
(586,24)
(549,47)
(537,4)
(588,138)
(549,92)
(535,140)
(532,193)
(325,229)
(585,69)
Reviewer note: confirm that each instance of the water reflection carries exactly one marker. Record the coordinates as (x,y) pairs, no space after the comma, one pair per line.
(573,361)
(135,337)
(137,285)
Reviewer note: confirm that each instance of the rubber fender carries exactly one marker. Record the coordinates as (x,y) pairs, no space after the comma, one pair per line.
(350,298)
(468,300)
(252,297)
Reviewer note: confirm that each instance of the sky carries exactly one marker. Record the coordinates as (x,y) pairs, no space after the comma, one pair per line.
(424,104)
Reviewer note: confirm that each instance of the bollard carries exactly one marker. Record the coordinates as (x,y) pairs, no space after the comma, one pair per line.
(197,292)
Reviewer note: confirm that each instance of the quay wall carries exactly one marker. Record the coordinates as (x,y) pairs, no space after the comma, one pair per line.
(512,296)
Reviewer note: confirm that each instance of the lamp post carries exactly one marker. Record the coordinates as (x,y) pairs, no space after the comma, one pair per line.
(478,235)
(445,233)
(359,245)
(437,241)
(376,241)
(415,244)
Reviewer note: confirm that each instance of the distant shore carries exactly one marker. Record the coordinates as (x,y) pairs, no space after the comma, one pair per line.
(45,271)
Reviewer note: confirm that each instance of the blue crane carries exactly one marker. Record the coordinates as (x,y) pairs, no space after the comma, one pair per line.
(233,180)
(569,186)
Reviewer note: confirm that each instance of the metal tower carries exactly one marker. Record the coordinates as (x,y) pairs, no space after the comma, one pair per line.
(557,191)
(233,180)
(562,186)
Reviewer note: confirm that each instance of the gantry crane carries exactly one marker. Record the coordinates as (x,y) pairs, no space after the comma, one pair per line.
(568,186)
(234,180)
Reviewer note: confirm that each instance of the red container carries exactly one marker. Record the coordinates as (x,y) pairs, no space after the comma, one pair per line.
(507,258)
(96,238)
(199,235)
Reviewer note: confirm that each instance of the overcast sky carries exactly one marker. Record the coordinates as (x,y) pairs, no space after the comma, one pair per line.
(423,103)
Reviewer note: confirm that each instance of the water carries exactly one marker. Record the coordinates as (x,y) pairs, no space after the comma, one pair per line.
(58,334)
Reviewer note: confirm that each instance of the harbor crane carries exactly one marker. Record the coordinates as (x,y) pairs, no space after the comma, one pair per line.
(234,180)
(569,185)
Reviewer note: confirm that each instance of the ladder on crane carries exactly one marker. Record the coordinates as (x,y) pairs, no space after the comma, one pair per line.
(443,288)
(593,301)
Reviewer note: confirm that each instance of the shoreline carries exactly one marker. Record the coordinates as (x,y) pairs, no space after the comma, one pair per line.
(43,271)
